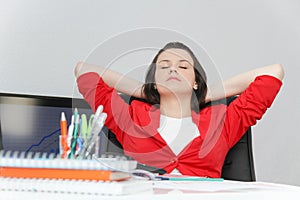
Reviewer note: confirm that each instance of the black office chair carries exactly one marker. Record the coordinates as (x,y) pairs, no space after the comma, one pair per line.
(238,165)
(1,144)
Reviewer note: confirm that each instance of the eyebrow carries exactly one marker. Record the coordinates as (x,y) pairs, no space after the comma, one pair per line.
(179,61)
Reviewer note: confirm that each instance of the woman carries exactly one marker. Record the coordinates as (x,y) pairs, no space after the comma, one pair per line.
(174,130)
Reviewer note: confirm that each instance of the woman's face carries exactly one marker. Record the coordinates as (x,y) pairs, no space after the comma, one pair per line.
(175,72)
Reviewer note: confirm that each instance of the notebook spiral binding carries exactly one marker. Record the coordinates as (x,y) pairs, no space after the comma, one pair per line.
(51,160)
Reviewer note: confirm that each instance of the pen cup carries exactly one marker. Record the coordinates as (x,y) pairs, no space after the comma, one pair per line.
(65,146)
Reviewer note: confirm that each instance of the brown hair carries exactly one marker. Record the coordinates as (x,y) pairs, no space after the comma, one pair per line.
(198,96)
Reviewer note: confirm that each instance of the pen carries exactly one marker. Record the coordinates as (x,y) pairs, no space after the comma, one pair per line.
(79,138)
(64,134)
(70,132)
(75,133)
(83,127)
(162,178)
(89,126)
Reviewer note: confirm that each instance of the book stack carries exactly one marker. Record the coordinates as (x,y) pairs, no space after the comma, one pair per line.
(41,166)
(34,171)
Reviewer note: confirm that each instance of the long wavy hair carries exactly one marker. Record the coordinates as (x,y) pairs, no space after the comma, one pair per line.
(198,96)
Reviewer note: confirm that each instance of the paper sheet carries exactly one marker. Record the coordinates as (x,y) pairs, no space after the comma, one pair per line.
(208,186)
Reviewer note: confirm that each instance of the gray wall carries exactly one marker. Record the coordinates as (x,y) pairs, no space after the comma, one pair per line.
(41,41)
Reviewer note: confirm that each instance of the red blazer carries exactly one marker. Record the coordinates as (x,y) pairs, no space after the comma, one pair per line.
(220,127)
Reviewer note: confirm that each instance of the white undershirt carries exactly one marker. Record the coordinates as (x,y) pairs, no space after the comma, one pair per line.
(177,133)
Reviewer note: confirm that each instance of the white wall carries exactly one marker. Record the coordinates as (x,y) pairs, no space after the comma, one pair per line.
(41,41)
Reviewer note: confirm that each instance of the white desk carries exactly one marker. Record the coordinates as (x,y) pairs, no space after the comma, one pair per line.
(231,190)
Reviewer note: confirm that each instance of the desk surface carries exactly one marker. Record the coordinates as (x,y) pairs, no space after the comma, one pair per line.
(212,190)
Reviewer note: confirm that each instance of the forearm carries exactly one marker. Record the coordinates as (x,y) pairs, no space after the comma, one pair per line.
(237,84)
(113,79)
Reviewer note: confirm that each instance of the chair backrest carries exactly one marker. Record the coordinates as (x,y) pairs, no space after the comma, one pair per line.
(238,165)
(1,145)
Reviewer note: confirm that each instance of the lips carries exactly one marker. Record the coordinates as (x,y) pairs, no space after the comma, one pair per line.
(173,78)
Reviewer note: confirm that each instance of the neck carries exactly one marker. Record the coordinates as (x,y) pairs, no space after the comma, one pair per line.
(175,106)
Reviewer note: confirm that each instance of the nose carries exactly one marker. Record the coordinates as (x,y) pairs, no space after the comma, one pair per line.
(173,69)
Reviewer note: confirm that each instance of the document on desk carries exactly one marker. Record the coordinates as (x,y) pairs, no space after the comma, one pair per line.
(209,186)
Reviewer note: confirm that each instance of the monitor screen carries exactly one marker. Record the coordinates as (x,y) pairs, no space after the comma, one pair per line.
(32,123)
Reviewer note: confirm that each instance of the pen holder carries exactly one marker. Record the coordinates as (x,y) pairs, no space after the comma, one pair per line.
(65,144)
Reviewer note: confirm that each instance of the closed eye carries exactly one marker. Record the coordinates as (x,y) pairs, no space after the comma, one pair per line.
(182,67)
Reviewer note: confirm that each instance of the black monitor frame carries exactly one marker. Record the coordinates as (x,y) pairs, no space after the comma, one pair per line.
(39,102)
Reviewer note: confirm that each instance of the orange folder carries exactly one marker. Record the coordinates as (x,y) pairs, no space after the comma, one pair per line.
(54,173)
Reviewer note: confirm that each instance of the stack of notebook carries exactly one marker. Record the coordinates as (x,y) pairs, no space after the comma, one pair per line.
(37,172)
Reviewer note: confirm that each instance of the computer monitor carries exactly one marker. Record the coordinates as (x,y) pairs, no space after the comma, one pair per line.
(32,122)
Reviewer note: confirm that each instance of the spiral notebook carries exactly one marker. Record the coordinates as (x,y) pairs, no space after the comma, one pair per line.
(36,165)
(36,172)
(50,160)
(75,186)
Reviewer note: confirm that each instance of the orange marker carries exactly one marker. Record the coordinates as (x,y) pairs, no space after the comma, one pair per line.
(64,134)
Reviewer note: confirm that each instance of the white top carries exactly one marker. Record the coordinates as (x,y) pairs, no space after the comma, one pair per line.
(177,133)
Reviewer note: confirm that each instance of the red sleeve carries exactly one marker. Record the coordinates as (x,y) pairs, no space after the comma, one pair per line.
(96,92)
(250,106)
(121,118)
(87,84)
